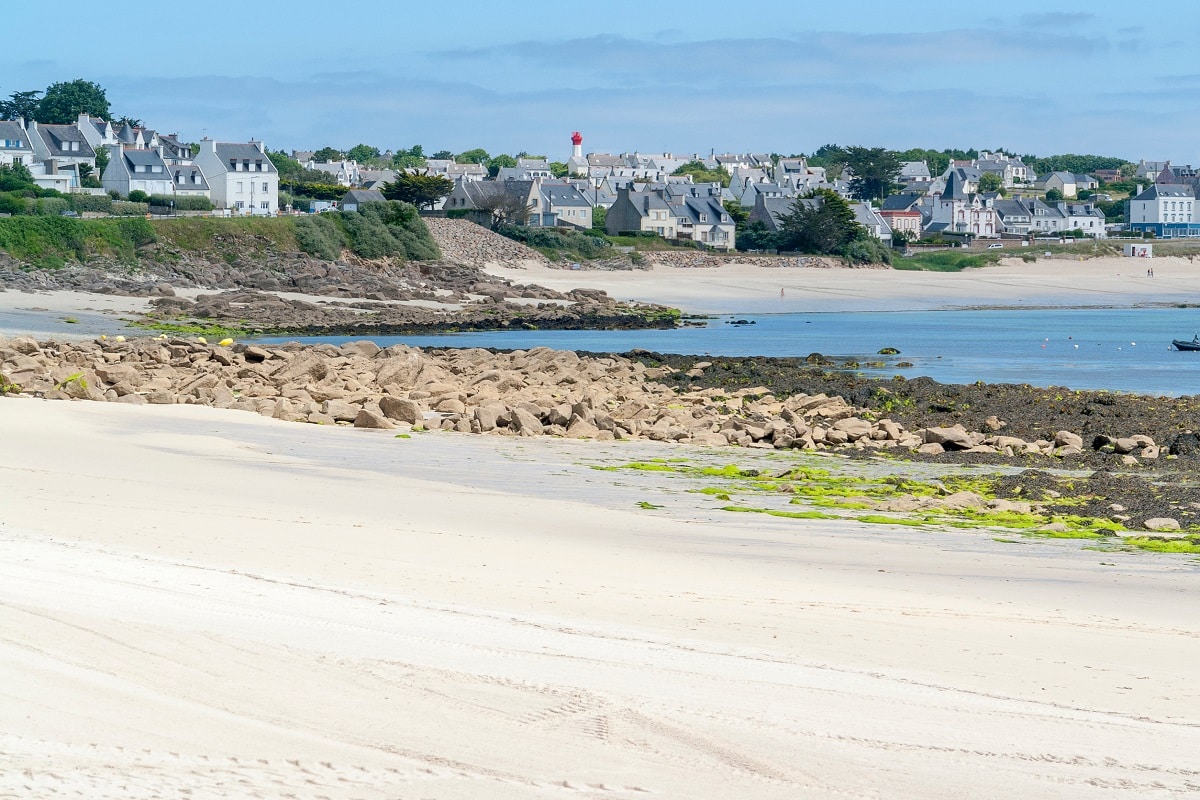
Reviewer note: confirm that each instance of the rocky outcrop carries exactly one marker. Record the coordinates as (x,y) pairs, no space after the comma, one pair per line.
(537,392)
(464,242)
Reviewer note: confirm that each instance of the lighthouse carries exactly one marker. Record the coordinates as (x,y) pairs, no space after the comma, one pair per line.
(577,145)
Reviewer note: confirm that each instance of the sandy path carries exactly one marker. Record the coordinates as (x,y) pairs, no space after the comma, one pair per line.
(219,602)
(745,288)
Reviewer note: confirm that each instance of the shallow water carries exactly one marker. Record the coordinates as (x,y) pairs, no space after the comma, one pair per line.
(1124,350)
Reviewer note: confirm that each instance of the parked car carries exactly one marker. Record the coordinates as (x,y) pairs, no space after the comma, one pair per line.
(995,246)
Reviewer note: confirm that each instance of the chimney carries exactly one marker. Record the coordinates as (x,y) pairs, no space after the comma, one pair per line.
(1139,190)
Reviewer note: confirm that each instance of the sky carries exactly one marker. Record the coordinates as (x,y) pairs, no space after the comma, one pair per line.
(1057,76)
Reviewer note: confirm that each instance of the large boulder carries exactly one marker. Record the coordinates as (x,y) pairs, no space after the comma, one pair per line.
(952,438)
(401,409)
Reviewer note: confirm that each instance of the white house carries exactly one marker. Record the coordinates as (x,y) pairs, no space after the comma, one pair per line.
(956,210)
(65,147)
(98,132)
(345,173)
(15,147)
(136,170)
(240,176)
(1166,209)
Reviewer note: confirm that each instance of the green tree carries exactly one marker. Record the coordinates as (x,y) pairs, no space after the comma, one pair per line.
(824,227)
(559,169)
(496,162)
(16,178)
(362,153)
(443,155)
(419,189)
(407,159)
(20,105)
(990,182)
(327,154)
(874,171)
(288,167)
(1053,195)
(64,102)
(101,160)
(476,156)
(138,196)
(702,174)
(132,122)
(737,212)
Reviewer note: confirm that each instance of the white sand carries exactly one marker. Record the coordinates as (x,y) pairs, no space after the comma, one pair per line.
(746,288)
(213,601)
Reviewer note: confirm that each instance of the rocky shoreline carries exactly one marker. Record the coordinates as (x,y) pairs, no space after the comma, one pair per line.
(543,392)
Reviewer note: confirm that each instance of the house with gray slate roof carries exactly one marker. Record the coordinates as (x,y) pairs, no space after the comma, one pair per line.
(1168,210)
(641,211)
(240,176)
(188,181)
(511,201)
(15,147)
(566,205)
(356,197)
(704,220)
(132,170)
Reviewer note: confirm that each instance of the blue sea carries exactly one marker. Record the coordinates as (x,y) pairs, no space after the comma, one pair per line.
(1125,350)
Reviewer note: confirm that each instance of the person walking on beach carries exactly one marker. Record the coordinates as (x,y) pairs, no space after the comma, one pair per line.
(781,291)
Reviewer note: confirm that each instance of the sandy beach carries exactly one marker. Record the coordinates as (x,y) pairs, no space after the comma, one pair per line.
(750,289)
(217,602)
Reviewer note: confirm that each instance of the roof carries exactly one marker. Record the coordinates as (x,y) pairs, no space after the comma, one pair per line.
(230,151)
(361,196)
(187,171)
(900,202)
(954,187)
(11,131)
(56,135)
(563,195)
(1166,190)
(144,158)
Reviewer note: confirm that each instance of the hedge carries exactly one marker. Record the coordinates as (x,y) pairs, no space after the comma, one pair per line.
(101,203)
(124,208)
(182,203)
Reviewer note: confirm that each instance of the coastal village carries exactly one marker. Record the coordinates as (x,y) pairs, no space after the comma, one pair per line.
(991,197)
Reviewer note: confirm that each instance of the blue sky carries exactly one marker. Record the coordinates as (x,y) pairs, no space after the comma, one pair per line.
(1042,77)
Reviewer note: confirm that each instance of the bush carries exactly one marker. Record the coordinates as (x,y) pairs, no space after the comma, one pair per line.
(138,196)
(182,203)
(126,208)
(866,249)
(389,228)
(320,236)
(11,203)
(560,241)
(101,203)
(47,206)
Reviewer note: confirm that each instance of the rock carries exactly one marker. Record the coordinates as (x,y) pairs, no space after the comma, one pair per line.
(1150,451)
(1068,439)
(953,438)
(581,429)
(931,449)
(1055,527)
(526,423)
(370,419)
(401,409)
(1161,524)
(853,427)
(305,367)
(450,406)
(1186,445)
(255,355)
(994,423)
(340,410)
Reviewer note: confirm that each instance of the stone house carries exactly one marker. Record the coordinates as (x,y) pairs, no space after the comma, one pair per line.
(641,211)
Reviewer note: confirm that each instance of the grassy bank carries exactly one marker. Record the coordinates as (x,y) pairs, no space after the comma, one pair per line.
(947,260)
(380,230)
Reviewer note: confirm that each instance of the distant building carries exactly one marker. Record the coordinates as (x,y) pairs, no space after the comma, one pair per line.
(1166,210)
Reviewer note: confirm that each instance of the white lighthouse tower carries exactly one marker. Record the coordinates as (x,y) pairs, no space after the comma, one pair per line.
(578,164)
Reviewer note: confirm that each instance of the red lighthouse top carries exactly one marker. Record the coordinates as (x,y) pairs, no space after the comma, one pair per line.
(576,138)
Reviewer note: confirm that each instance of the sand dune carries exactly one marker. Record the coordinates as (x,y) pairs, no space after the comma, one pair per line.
(211,601)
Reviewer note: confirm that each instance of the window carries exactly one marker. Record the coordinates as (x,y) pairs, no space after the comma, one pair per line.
(239,187)
(265,205)
(266,186)
(234,166)
(258,166)
(241,204)
(246,164)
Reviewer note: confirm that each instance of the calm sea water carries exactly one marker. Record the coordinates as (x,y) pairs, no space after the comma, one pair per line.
(1124,350)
